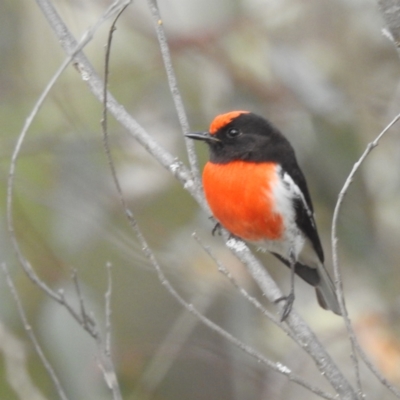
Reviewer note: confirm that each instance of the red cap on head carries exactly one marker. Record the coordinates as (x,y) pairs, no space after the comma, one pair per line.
(224,119)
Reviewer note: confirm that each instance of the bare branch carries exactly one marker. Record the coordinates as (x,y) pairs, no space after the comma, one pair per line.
(96,86)
(108,311)
(224,270)
(32,336)
(58,297)
(176,96)
(88,323)
(338,278)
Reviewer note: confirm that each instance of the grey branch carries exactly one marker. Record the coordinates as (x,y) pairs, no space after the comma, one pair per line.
(391,13)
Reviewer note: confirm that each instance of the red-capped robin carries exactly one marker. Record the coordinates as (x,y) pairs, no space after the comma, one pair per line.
(257,191)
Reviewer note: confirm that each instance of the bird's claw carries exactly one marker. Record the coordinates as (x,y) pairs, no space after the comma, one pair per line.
(289,299)
(217,229)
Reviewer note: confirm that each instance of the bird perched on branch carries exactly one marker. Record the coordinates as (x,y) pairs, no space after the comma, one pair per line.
(257,191)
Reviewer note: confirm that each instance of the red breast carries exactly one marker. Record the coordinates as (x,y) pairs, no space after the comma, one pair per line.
(239,195)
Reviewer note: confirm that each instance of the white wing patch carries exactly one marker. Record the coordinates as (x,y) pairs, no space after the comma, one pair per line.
(287,179)
(285,192)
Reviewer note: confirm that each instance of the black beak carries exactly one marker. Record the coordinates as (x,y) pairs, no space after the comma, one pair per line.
(205,136)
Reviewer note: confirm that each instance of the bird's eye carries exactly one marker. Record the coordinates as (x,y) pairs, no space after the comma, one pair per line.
(232,132)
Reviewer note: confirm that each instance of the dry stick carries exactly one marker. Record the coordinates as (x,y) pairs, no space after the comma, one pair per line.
(84,319)
(16,357)
(104,120)
(58,297)
(10,193)
(109,374)
(32,336)
(338,278)
(309,341)
(106,362)
(88,322)
(108,310)
(176,96)
(89,325)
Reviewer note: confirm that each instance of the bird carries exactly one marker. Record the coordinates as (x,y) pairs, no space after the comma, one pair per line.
(257,191)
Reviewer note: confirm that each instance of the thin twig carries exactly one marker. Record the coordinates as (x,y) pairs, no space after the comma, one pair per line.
(15,365)
(108,367)
(108,310)
(173,86)
(88,322)
(28,329)
(252,300)
(10,185)
(56,296)
(338,279)
(89,75)
(104,121)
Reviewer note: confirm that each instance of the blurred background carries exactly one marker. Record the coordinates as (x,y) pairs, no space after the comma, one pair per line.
(321,70)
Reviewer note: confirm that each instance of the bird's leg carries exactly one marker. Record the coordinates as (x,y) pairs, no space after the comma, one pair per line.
(217,227)
(289,299)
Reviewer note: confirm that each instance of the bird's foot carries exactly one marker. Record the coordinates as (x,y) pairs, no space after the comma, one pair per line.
(289,299)
(217,229)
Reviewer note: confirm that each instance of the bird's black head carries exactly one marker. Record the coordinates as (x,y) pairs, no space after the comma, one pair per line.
(241,135)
